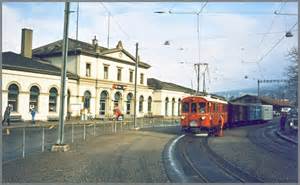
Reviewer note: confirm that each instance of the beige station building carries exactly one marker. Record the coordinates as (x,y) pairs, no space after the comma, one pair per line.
(98,79)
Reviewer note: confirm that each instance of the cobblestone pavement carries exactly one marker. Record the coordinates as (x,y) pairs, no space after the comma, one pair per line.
(132,156)
(262,158)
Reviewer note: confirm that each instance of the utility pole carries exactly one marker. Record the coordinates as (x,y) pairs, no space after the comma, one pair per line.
(135,82)
(108,29)
(268,81)
(77,19)
(60,146)
(198,67)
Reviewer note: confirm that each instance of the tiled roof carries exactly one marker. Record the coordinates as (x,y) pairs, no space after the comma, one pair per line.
(14,61)
(76,47)
(262,99)
(160,85)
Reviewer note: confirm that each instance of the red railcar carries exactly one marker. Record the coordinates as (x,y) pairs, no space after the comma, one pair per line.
(203,113)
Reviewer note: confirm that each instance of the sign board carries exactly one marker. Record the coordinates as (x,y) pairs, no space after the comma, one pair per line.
(119,87)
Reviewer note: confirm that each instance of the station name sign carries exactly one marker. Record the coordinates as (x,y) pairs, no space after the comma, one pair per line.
(119,87)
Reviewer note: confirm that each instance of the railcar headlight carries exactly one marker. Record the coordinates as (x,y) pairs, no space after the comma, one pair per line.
(182,117)
(203,118)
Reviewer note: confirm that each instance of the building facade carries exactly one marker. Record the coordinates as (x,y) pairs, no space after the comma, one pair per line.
(98,80)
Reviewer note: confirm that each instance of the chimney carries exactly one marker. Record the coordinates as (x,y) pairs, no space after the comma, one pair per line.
(26,43)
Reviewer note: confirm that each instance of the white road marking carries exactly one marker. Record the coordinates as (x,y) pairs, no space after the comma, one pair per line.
(171,158)
(202,134)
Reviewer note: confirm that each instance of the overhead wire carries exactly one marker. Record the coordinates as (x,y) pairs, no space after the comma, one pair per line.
(276,44)
(118,24)
(271,25)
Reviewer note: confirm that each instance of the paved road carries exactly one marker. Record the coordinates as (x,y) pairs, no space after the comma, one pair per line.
(260,152)
(145,156)
(131,156)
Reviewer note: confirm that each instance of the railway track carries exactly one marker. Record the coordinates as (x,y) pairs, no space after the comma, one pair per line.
(201,164)
(266,139)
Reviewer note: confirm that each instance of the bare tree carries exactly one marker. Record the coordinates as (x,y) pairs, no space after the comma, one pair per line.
(292,74)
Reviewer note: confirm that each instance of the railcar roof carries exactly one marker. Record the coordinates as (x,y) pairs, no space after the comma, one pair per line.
(208,98)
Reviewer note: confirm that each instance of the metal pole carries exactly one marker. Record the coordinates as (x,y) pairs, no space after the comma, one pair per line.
(108,29)
(23,151)
(135,82)
(72,132)
(84,131)
(204,81)
(77,19)
(60,139)
(258,88)
(94,129)
(43,140)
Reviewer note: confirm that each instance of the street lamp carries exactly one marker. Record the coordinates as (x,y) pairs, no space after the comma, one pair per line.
(278,13)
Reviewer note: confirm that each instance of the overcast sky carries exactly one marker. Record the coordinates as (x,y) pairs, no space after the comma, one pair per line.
(233,36)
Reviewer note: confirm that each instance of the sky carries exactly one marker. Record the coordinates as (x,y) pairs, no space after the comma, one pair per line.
(235,38)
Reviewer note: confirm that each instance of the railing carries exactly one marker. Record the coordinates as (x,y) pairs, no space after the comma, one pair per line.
(28,139)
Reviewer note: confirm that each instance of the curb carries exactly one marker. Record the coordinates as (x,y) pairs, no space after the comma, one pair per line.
(285,137)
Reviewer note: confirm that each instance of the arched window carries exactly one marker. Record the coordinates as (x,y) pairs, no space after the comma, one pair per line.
(179,106)
(34,98)
(128,103)
(173,106)
(141,101)
(103,102)
(117,99)
(13,93)
(52,99)
(87,100)
(166,106)
(149,104)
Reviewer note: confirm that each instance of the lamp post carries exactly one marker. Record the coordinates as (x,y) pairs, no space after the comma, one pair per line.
(135,84)
(60,146)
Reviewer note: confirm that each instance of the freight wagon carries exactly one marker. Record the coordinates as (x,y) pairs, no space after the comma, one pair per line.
(207,113)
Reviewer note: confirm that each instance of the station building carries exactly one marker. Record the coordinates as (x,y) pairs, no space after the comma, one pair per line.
(98,80)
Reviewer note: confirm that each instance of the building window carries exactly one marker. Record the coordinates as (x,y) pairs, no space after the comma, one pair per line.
(166,106)
(119,74)
(179,106)
(149,104)
(128,103)
(105,72)
(52,99)
(87,100)
(142,78)
(141,101)
(88,69)
(13,93)
(173,106)
(117,99)
(103,101)
(131,76)
(34,98)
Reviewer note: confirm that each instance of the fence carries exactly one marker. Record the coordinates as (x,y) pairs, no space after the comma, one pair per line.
(26,140)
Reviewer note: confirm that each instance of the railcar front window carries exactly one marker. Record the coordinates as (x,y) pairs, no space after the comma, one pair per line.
(216,107)
(202,107)
(194,107)
(185,107)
